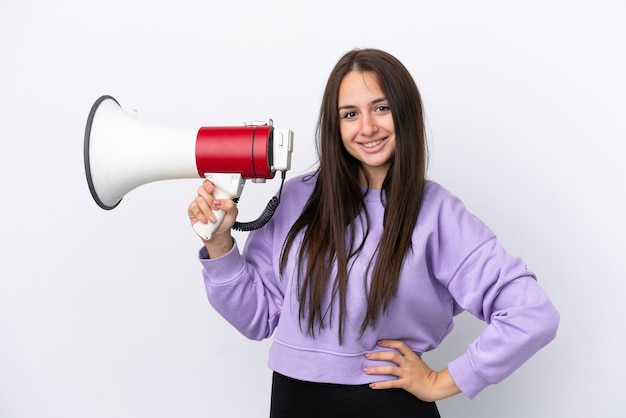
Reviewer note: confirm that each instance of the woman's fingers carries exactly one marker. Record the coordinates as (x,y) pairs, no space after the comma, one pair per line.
(200,208)
(410,371)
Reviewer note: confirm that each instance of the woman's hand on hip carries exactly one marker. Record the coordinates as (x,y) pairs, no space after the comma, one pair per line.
(413,374)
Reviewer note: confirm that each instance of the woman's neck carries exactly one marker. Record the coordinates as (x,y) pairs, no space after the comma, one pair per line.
(373,179)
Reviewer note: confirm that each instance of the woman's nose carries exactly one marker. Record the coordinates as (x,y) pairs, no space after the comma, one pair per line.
(368,125)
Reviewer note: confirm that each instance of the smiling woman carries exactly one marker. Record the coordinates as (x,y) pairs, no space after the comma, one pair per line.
(366,125)
(365,264)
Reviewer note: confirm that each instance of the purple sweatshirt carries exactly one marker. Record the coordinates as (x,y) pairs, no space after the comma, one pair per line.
(456,264)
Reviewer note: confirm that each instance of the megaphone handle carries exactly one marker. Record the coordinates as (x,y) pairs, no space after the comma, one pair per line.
(205,231)
(227,186)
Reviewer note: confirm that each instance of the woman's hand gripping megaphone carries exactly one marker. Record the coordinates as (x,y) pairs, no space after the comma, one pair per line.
(213,211)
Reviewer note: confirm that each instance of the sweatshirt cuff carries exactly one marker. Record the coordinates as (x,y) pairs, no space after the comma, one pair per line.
(466,377)
(220,270)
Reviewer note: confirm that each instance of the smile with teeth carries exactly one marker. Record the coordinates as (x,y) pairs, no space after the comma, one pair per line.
(371,144)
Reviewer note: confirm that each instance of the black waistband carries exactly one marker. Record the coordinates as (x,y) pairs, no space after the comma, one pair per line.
(296,398)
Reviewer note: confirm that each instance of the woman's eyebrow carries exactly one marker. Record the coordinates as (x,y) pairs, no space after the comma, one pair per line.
(375,101)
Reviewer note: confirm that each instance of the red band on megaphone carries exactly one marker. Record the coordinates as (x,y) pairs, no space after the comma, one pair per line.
(242,149)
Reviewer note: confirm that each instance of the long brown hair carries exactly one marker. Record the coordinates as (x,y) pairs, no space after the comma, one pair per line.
(327,220)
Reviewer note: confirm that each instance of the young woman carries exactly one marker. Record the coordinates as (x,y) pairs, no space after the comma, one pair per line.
(365,263)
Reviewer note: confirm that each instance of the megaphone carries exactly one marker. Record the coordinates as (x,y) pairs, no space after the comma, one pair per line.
(122,153)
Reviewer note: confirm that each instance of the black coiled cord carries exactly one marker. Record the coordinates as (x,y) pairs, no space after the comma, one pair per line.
(267,214)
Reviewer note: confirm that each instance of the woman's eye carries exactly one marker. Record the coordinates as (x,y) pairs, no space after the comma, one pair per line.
(349,115)
(382,108)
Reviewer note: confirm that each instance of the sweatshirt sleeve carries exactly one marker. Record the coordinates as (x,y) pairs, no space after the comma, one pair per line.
(246,287)
(494,286)
(497,288)
(246,294)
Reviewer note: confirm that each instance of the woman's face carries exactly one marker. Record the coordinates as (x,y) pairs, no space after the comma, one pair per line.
(366,125)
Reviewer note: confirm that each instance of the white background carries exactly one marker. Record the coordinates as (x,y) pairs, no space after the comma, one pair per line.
(103,313)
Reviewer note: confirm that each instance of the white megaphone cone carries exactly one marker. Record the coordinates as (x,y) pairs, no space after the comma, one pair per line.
(122,153)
